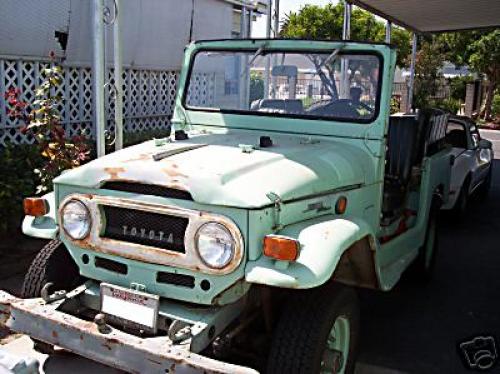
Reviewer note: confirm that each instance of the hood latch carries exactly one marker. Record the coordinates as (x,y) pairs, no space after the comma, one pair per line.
(278,202)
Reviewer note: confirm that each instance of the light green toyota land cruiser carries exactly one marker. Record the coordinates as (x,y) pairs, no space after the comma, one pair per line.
(238,243)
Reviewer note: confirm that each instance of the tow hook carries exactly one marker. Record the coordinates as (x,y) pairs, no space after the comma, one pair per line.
(179,331)
(49,298)
(100,321)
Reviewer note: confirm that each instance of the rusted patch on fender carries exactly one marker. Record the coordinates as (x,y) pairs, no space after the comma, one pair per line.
(357,266)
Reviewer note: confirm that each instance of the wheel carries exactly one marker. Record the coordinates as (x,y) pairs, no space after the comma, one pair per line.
(317,332)
(484,189)
(52,264)
(423,266)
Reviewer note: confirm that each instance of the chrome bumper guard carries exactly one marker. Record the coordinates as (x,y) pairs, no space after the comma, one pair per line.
(43,321)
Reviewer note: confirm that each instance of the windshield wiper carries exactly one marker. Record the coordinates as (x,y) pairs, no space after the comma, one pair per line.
(252,60)
(254,57)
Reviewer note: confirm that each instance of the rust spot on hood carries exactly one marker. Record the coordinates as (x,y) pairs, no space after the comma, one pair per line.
(141,157)
(113,172)
(172,171)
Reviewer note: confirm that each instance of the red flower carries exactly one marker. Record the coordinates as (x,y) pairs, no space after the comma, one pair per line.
(23,129)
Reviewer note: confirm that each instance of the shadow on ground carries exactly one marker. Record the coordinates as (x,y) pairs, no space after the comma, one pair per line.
(417,328)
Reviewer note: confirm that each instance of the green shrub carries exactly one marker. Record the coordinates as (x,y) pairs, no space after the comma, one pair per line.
(458,87)
(17,165)
(395,105)
(451,105)
(18,181)
(495,107)
(132,138)
(256,86)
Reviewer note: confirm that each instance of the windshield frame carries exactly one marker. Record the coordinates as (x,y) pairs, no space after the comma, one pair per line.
(270,50)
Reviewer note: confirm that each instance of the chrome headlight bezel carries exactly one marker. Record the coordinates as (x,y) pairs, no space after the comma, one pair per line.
(227,255)
(87,221)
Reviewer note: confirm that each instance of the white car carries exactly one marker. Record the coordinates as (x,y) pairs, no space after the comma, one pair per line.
(472,165)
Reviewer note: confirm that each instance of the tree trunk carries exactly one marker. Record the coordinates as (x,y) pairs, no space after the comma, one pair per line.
(489,99)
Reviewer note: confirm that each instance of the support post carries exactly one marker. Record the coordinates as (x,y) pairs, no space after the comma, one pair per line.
(276,18)
(268,59)
(243,23)
(98,74)
(117,51)
(411,83)
(344,67)
(274,83)
(388,31)
(250,20)
(244,77)
(346,30)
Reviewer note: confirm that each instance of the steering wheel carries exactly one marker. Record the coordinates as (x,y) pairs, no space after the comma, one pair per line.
(345,108)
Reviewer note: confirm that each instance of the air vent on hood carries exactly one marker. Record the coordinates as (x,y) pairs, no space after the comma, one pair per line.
(148,189)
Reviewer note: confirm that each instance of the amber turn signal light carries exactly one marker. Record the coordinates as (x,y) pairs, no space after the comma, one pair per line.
(281,247)
(341,205)
(35,206)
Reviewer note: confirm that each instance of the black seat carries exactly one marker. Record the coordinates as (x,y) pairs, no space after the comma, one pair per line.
(409,139)
(402,141)
(401,144)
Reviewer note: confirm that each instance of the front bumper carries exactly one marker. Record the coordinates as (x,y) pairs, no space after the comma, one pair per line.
(124,351)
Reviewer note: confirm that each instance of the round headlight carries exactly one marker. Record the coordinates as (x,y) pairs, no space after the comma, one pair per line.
(76,219)
(215,245)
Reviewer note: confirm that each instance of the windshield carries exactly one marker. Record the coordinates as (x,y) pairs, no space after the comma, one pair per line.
(330,85)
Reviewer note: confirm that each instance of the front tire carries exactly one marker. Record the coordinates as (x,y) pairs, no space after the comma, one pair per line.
(317,332)
(52,264)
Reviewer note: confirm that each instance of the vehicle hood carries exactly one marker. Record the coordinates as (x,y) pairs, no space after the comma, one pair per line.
(214,168)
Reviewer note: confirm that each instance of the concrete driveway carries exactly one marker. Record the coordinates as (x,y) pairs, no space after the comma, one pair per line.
(415,328)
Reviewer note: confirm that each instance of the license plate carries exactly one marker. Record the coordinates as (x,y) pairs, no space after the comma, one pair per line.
(140,308)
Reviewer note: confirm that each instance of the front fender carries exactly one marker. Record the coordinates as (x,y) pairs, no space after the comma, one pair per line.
(43,227)
(323,241)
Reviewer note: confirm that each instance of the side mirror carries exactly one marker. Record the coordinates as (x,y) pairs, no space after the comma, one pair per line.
(485,144)
(452,160)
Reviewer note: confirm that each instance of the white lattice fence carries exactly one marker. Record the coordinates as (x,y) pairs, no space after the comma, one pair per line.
(202,90)
(149,97)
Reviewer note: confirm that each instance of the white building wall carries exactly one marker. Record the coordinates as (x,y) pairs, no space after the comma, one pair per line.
(154,34)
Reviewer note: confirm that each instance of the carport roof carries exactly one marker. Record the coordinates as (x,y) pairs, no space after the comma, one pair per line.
(436,15)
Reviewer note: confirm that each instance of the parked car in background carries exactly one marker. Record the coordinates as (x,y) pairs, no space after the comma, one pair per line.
(472,166)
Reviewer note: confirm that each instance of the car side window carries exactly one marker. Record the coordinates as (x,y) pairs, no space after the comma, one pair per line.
(456,135)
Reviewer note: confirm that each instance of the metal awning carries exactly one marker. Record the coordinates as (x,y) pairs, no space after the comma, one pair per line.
(436,15)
